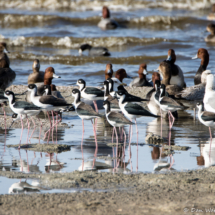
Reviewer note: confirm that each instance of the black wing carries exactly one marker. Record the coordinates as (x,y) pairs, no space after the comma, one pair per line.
(25,105)
(137,110)
(53,101)
(93,90)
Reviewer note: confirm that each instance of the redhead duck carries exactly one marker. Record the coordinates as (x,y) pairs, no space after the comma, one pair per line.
(7,75)
(48,76)
(94,51)
(4,60)
(211,16)
(108,71)
(119,76)
(141,81)
(196,92)
(204,56)
(106,22)
(170,72)
(211,37)
(37,75)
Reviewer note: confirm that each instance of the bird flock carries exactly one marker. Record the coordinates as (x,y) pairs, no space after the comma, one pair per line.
(169,93)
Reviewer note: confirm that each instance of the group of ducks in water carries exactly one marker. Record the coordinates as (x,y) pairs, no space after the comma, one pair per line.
(168,85)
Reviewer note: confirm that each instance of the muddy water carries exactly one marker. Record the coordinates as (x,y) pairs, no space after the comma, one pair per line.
(53,31)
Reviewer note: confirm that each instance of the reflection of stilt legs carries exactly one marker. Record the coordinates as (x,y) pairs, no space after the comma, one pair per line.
(21,131)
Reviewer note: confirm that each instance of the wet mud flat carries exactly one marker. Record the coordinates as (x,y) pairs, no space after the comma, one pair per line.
(165,193)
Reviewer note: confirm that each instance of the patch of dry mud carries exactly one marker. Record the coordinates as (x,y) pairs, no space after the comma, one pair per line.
(141,194)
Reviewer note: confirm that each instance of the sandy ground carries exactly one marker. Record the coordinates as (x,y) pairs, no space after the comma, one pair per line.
(166,193)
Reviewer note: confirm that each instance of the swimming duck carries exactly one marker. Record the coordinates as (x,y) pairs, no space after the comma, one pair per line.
(108,71)
(204,56)
(7,75)
(106,22)
(141,80)
(211,16)
(94,51)
(196,92)
(211,37)
(170,72)
(48,76)
(37,75)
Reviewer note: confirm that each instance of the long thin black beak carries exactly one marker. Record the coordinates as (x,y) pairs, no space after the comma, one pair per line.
(23,93)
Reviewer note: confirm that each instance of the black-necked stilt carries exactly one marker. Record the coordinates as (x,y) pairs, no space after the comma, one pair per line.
(3,102)
(84,111)
(48,76)
(129,97)
(47,102)
(114,104)
(91,93)
(21,108)
(209,96)
(205,117)
(131,110)
(115,119)
(168,104)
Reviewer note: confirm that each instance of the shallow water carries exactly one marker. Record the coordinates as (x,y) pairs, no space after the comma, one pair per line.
(54,33)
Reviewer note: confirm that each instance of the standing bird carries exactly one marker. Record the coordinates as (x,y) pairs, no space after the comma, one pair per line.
(130,110)
(205,117)
(141,81)
(115,119)
(37,75)
(21,108)
(90,93)
(209,103)
(7,75)
(48,76)
(85,112)
(204,56)
(108,71)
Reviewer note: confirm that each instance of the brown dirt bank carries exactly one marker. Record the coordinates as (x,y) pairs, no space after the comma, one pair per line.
(125,194)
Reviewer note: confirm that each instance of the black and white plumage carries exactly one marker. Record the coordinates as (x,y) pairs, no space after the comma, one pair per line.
(114,118)
(83,110)
(94,51)
(47,102)
(20,107)
(205,117)
(114,104)
(167,103)
(90,93)
(130,110)
(209,96)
